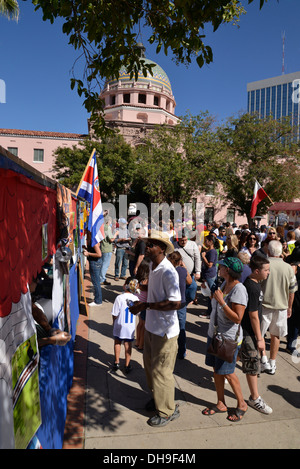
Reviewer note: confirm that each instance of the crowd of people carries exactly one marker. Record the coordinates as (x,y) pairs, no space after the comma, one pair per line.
(250,280)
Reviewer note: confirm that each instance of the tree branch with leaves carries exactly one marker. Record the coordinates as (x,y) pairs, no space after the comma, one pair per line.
(106,34)
(262,149)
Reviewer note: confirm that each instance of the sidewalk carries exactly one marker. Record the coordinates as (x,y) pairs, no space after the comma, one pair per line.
(106,408)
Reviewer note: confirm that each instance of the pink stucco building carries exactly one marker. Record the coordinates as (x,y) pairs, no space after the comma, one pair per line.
(135,107)
(37,147)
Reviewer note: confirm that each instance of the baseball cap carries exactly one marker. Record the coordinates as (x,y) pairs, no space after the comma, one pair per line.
(232,263)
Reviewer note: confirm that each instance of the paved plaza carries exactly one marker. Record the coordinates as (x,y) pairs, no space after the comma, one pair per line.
(106,408)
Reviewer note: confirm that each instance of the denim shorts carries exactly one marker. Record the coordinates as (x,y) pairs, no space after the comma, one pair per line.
(220,366)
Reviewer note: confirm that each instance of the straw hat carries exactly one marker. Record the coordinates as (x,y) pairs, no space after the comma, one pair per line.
(163,238)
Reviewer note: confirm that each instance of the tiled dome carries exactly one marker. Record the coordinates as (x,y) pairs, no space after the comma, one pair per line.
(157,80)
(134,104)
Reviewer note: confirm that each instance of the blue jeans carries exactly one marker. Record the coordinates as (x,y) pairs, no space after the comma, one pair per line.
(121,261)
(190,291)
(105,260)
(293,330)
(95,269)
(181,313)
(211,282)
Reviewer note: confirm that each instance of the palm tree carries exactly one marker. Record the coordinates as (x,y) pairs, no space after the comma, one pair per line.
(10,9)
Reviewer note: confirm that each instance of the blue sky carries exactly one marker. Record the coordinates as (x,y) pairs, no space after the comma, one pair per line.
(36,63)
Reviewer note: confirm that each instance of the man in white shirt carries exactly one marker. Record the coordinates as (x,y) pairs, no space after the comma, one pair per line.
(161,329)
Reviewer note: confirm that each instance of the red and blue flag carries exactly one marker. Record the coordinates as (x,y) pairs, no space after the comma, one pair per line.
(89,190)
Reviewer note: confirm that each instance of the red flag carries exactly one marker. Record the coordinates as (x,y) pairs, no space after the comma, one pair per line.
(258,196)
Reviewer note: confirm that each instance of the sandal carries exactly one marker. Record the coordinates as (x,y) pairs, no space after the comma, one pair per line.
(158,421)
(239,413)
(212,410)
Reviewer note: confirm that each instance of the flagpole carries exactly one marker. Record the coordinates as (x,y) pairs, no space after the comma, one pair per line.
(86,168)
(83,289)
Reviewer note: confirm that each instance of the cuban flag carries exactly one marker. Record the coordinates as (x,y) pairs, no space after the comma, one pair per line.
(89,190)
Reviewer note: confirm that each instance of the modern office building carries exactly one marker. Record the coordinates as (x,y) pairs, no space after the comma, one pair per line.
(278,96)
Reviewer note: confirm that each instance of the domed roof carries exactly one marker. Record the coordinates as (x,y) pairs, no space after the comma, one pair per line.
(158,78)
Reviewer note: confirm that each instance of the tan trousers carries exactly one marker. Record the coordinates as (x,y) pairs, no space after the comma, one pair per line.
(159,362)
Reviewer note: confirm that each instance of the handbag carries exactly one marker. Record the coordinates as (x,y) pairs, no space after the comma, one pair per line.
(193,271)
(222,347)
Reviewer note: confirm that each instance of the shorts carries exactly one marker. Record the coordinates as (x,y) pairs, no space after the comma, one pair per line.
(275,320)
(249,356)
(220,366)
(123,340)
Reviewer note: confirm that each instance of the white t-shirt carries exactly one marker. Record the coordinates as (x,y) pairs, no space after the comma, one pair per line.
(124,324)
(45,305)
(163,284)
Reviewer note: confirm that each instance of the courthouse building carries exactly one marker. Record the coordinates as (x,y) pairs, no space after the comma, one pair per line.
(134,108)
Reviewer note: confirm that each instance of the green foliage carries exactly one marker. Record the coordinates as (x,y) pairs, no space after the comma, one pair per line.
(259,149)
(115,161)
(203,151)
(10,9)
(161,169)
(176,164)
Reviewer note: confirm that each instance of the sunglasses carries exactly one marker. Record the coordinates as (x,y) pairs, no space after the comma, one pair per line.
(253,238)
(150,245)
(272,232)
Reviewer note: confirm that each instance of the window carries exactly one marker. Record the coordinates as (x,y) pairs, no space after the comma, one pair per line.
(262,102)
(230,215)
(156,101)
(290,100)
(273,102)
(209,214)
(268,101)
(142,98)
(113,100)
(126,98)
(13,150)
(257,100)
(210,189)
(38,155)
(278,104)
(252,102)
(284,99)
